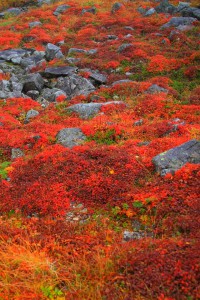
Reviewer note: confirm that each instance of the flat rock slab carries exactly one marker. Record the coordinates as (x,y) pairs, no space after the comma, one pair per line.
(88,110)
(70,137)
(59,71)
(175,158)
(177,21)
(13,53)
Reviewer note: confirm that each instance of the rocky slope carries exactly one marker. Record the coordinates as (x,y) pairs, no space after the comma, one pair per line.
(99,122)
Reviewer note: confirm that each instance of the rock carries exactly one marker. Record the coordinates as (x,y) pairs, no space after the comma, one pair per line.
(124,47)
(78,50)
(75,85)
(122,81)
(154,88)
(141,10)
(176,21)
(138,123)
(33,81)
(31,114)
(70,137)
(112,37)
(59,71)
(91,10)
(33,94)
(129,28)
(15,11)
(175,158)
(16,153)
(37,59)
(9,54)
(191,12)
(51,94)
(150,12)
(96,77)
(88,110)
(165,7)
(34,24)
(61,9)
(182,5)
(133,235)
(116,6)
(42,2)
(53,51)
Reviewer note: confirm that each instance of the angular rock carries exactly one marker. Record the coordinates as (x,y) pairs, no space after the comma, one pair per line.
(59,71)
(61,9)
(122,81)
(51,94)
(124,47)
(191,12)
(99,78)
(13,53)
(165,7)
(16,153)
(91,10)
(52,51)
(75,85)
(33,94)
(175,158)
(33,81)
(116,6)
(150,12)
(70,137)
(133,235)
(34,24)
(78,50)
(88,110)
(154,88)
(176,21)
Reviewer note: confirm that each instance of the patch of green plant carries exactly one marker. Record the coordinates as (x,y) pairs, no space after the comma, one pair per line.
(51,292)
(107,137)
(142,73)
(3,171)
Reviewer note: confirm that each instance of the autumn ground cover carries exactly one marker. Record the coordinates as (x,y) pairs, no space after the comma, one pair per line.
(109,184)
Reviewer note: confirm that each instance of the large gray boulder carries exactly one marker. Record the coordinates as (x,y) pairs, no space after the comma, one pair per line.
(9,54)
(165,7)
(116,6)
(88,110)
(61,9)
(59,71)
(52,51)
(177,21)
(70,137)
(51,94)
(33,81)
(75,85)
(175,158)
(154,88)
(191,12)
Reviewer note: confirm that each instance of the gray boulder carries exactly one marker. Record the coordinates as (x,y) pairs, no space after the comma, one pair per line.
(34,24)
(9,54)
(175,158)
(75,85)
(52,51)
(16,153)
(61,9)
(78,50)
(165,7)
(59,71)
(33,81)
(177,21)
(33,94)
(51,94)
(150,12)
(91,10)
(154,88)
(116,6)
(88,110)
(70,137)
(191,12)
(32,113)
(122,81)
(124,47)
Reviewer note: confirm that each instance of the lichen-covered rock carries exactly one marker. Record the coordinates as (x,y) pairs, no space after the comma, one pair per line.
(177,21)
(70,137)
(175,158)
